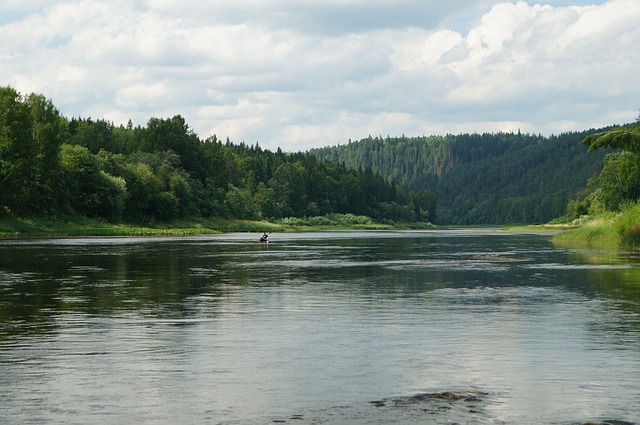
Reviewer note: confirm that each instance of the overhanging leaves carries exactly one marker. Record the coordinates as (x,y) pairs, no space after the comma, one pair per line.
(620,138)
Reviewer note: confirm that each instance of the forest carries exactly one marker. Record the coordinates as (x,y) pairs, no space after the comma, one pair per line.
(486,178)
(53,166)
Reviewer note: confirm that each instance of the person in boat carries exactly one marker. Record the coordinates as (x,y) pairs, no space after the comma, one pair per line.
(264,237)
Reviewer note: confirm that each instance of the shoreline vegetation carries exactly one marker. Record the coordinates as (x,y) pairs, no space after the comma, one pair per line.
(13,227)
(55,167)
(608,231)
(65,177)
(24,228)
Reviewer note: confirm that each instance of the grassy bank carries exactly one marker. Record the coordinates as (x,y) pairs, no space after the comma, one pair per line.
(594,233)
(21,227)
(610,230)
(12,227)
(540,228)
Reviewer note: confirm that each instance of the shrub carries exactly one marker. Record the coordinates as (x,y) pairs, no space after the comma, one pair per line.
(329,220)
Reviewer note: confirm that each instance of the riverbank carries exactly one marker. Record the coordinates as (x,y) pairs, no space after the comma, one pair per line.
(597,233)
(541,228)
(21,227)
(11,227)
(608,230)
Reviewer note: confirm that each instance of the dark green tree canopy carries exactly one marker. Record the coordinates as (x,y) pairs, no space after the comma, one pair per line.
(50,165)
(480,178)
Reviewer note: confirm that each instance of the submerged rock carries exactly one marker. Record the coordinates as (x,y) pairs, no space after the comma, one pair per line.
(440,407)
(437,408)
(451,396)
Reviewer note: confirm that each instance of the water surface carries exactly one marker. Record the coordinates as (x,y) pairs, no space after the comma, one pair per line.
(330,327)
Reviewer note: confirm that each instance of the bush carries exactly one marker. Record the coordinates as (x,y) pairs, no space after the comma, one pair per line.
(582,220)
(329,220)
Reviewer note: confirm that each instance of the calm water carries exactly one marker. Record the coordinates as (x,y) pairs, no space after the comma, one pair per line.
(335,327)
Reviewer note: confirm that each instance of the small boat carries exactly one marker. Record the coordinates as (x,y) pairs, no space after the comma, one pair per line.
(264,238)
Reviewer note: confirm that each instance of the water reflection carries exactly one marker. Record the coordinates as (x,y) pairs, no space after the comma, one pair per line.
(317,326)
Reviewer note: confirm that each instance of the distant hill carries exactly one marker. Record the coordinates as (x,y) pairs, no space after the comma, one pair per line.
(480,178)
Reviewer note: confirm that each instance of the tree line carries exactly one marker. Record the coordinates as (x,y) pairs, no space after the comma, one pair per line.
(54,166)
(485,178)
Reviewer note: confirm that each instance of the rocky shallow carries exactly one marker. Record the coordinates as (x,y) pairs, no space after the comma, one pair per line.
(446,407)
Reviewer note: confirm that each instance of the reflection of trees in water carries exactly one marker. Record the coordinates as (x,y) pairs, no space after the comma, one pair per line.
(180,279)
(622,288)
(614,275)
(40,282)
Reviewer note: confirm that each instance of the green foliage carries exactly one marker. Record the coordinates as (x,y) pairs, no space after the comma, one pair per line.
(627,139)
(424,204)
(51,166)
(621,229)
(619,180)
(337,220)
(618,183)
(615,190)
(89,190)
(16,151)
(627,225)
(239,204)
(265,202)
(93,135)
(31,131)
(479,178)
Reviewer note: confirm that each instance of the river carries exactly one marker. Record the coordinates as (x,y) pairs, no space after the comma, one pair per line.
(447,326)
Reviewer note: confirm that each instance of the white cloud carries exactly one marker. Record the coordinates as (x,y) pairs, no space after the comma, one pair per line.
(300,73)
(142,95)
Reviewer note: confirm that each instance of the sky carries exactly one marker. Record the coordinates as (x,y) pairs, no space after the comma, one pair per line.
(298,74)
